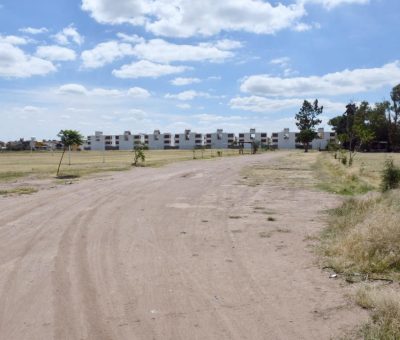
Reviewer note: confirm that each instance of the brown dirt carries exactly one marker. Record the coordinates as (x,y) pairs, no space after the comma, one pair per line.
(154,254)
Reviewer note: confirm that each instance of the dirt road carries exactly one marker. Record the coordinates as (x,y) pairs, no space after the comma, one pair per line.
(187,251)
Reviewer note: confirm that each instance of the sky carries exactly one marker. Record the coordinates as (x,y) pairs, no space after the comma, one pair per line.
(141,65)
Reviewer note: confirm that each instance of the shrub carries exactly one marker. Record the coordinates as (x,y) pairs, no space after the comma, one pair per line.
(390,176)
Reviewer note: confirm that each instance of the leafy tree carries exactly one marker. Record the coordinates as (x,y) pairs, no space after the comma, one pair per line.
(68,139)
(354,128)
(394,119)
(307,120)
(138,154)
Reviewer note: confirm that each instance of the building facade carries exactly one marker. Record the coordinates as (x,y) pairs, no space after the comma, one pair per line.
(188,140)
(287,140)
(219,139)
(252,136)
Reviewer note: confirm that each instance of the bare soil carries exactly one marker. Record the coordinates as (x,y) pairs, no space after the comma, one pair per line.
(187,251)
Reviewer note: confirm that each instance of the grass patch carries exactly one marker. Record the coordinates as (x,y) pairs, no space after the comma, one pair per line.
(336,178)
(385,312)
(364,235)
(19,191)
(10,175)
(235,217)
(270,218)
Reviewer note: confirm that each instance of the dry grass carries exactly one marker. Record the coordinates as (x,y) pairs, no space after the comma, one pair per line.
(14,165)
(336,178)
(19,191)
(292,169)
(364,235)
(385,307)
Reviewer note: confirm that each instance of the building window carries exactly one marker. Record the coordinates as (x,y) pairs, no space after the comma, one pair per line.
(275,135)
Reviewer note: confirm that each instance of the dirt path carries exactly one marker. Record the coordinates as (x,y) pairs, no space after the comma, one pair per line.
(182,252)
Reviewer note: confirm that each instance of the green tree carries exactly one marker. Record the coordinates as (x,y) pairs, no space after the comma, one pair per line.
(138,154)
(394,119)
(307,120)
(68,139)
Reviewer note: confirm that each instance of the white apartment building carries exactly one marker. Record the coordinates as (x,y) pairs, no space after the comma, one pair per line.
(124,142)
(159,141)
(188,140)
(95,142)
(219,139)
(251,136)
(287,140)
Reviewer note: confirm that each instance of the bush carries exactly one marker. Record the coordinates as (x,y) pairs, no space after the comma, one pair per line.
(390,176)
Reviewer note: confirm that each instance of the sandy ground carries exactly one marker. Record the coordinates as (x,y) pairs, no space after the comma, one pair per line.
(181,252)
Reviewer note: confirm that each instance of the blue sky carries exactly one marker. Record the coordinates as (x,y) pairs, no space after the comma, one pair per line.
(140,65)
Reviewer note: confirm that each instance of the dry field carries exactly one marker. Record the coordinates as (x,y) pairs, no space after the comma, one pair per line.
(207,249)
(43,164)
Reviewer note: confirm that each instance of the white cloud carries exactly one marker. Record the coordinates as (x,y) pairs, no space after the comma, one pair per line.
(144,68)
(184,81)
(105,53)
(78,89)
(329,4)
(188,95)
(338,83)
(270,105)
(184,106)
(282,62)
(13,40)
(31,30)
(134,39)
(67,35)
(31,109)
(138,92)
(159,50)
(15,63)
(186,18)
(302,27)
(72,89)
(55,53)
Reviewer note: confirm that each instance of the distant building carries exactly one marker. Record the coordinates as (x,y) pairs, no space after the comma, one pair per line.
(124,142)
(287,140)
(219,139)
(159,141)
(97,142)
(188,140)
(252,136)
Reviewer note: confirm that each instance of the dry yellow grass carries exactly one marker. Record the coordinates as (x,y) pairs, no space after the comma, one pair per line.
(385,306)
(44,164)
(364,235)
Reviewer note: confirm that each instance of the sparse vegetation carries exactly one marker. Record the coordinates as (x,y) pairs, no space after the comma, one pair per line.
(19,191)
(138,155)
(390,176)
(364,235)
(385,308)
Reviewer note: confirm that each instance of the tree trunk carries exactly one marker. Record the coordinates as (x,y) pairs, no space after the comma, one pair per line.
(59,164)
(306,147)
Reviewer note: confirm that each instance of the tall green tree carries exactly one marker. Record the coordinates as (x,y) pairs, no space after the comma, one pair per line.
(307,120)
(394,119)
(69,138)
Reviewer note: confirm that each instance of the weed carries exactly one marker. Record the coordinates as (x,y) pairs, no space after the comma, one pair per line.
(385,307)
(270,218)
(390,176)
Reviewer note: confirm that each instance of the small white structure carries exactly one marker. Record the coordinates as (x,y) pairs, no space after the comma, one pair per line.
(159,141)
(188,140)
(252,136)
(219,139)
(287,140)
